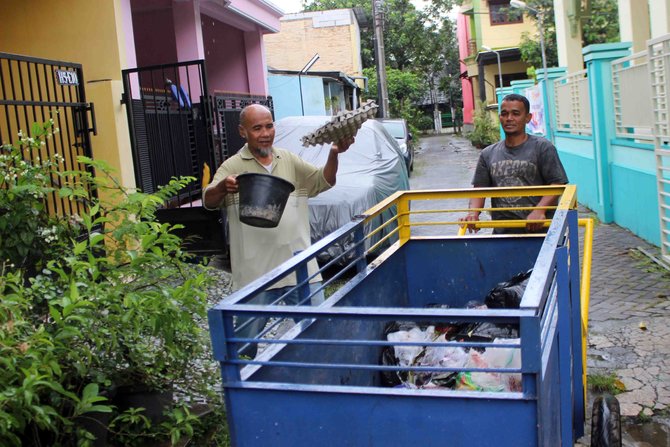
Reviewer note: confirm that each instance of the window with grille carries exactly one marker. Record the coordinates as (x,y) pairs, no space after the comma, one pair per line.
(501,13)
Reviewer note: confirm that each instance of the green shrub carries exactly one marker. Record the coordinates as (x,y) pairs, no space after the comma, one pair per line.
(93,303)
(486,131)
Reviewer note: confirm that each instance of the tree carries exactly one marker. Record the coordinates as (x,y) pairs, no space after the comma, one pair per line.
(600,27)
(404,89)
(422,43)
(411,37)
(531,52)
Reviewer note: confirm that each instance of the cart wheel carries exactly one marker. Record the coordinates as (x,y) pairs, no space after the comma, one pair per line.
(606,422)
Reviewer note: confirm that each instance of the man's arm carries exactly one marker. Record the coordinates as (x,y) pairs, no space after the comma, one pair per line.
(473,214)
(330,168)
(540,214)
(214,195)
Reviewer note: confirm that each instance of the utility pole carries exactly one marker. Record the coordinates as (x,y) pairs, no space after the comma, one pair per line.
(378,17)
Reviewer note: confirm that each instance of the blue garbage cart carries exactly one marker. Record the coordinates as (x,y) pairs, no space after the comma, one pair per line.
(317,379)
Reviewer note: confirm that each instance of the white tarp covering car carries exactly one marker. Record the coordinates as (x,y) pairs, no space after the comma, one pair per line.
(372,169)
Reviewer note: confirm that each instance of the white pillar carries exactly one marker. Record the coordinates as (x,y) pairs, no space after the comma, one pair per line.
(660,17)
(568,42)
(634,23)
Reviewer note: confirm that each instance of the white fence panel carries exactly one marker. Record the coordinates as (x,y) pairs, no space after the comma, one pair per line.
(633,109)
(573,106)
(659,69)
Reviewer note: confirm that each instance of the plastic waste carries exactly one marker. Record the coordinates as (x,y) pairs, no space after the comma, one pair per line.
(492,358)
(507,294)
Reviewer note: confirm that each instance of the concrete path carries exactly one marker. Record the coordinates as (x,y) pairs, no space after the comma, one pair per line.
(629,326)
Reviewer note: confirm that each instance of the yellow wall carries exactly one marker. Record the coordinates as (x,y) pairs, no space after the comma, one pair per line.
(88,32)
(502,36)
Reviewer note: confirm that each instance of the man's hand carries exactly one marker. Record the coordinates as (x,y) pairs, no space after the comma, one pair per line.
(472,216)
(534,227)
(342,145)
(214,194)
(228,185)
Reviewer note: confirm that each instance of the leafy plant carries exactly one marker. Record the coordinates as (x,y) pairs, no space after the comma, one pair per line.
(609,383)
(99,302)
(485,130)
(28,234)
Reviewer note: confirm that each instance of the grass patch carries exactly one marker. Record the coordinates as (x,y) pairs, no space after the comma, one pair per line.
(642,417)
(649,266)
(605,383)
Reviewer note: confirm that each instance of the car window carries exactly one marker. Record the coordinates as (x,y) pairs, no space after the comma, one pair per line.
(396,129)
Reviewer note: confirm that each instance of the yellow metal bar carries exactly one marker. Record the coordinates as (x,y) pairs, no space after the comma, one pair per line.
(403,220)
(585,288)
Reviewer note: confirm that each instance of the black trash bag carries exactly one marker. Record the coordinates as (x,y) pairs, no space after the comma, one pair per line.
(388,358)
(507,294)
(447,328)
(487,332)
(391,378)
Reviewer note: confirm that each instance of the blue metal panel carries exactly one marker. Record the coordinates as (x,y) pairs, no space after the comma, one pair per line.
(549,404)
(320,383)
(565,346)
(455,271)
(284,418)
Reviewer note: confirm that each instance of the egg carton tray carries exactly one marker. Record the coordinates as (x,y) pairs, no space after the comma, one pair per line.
(343,125)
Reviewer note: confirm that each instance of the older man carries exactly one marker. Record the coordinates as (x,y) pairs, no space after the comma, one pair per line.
(256,251)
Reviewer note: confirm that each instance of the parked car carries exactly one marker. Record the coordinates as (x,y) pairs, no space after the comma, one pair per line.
(372,169)
(399,130)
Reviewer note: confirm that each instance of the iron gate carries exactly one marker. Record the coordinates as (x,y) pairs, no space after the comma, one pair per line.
(169,120)
(34,90)
(177,126)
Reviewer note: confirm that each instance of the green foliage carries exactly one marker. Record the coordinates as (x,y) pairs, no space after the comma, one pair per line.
(601,27)
(421,44)
(28,234)
(404,89)
(486,131)
(111,300)
(608,383)
(603,24)
(530,48)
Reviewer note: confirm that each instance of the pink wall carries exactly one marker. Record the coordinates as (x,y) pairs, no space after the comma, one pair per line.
(262,12)
(225,53)
(154,37)
(258,80)
(463,35)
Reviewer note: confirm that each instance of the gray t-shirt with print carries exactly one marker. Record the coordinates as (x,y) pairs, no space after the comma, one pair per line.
(533,163)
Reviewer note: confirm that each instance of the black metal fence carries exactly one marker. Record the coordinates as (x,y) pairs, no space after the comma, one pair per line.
(226,111)
(177,126)
(34,90)
(169,120)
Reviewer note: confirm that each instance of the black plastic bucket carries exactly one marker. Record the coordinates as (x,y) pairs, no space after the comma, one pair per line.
(262,199)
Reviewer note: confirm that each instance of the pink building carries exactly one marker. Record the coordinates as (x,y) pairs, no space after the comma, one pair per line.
(227,34)
(463,35)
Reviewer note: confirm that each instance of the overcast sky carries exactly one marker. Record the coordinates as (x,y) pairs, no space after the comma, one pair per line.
(289,6)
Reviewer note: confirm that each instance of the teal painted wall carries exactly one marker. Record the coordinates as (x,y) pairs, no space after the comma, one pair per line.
(616,178)
(634,192)
(576,154)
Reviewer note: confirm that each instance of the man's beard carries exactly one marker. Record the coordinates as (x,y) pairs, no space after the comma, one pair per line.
(263,152)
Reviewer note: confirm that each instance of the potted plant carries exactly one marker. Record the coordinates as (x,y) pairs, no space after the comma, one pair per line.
(107,305)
